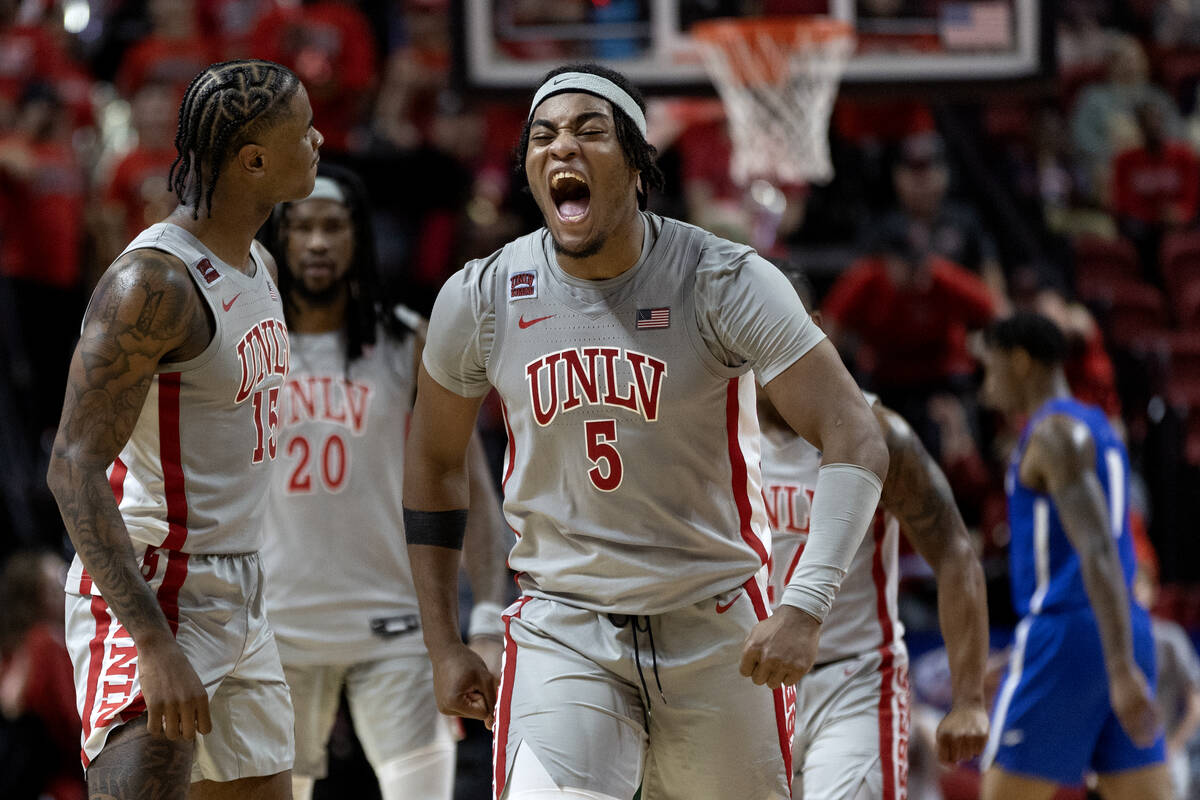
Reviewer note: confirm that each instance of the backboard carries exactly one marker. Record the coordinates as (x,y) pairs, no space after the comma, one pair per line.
(510,44)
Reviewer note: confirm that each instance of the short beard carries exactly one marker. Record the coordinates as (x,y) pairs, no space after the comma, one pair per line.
(320,298)
(587,251)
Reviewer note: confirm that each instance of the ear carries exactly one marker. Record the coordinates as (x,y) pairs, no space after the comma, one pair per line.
(252,158)
(1022,363)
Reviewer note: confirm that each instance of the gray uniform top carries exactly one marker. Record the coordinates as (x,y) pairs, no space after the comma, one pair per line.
(335,555)
(193,476)
(631,476)
(865,616)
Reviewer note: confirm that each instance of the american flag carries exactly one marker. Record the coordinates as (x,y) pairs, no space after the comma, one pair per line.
(977,26)
(654,317)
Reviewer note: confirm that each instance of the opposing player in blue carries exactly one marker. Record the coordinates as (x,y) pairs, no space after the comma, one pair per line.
(1078,695)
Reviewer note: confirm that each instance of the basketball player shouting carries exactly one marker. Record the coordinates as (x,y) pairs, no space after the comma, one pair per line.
(1078,693)
(622,345)
(340,595)
(163,458)
(852,717)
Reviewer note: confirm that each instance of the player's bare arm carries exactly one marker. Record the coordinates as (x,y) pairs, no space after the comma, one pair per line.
(436,480)
(484,558)
(781,649)
(1060,461)
(144,311)
(918,494)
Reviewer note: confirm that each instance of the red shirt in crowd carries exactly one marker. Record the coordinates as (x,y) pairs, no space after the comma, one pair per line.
(31,52)
(911,333)
(139,187)
(161,59)
(41,219)
(1146,185)
(329,46)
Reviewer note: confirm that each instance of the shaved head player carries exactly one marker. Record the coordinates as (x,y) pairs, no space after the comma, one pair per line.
(163,458)
(624,346)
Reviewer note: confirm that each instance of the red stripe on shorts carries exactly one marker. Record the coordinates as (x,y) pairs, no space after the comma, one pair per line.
(500,725)
(95,662)
(737,466)
(785,696)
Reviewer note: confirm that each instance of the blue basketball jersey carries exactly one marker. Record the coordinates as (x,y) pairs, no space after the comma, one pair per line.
(1044,567)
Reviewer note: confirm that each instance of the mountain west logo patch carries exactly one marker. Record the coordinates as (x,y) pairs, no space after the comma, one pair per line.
(208,271)
(522,285)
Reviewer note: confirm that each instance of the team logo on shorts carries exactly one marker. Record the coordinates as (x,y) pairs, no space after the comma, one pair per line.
(522,285)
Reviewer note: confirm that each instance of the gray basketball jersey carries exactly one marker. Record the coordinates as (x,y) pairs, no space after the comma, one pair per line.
(335,554)
(864,616)
(193,476)
(631,475)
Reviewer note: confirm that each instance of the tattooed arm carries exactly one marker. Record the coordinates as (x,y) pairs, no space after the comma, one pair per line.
(144,311)
(917,493)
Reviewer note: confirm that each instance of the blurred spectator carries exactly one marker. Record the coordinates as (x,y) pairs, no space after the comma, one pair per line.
(942,226)
(1104,122)
(329,45)
(230,23)
(1177,23)
(33,49)
(1083,42)
(173,53)
(42,194)
(1156,186)
(904,312)
(136,194)
(40,729)
(1178,689)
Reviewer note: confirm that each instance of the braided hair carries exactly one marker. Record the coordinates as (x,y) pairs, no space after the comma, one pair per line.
(224,107)
(639,153)
(366,308)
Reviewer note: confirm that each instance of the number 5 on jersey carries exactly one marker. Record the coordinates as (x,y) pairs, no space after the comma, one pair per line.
(607,471)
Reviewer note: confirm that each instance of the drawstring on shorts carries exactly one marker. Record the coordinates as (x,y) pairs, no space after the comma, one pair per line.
(636,623)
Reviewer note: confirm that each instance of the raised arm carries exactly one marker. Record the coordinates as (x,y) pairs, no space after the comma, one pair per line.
(436,497)
(918,495)
(1061,461)
(817,397)
(144,310)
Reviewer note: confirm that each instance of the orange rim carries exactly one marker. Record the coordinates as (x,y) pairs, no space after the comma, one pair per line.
(781,29)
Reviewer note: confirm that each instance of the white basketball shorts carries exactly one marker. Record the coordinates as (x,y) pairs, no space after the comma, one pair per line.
(852,728)
(214,604)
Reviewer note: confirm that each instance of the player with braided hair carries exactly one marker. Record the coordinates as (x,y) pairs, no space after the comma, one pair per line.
(163,458)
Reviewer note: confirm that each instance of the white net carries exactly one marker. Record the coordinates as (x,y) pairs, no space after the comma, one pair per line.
(778,90)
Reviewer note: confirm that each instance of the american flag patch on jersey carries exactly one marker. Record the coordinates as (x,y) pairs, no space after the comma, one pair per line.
(654,317)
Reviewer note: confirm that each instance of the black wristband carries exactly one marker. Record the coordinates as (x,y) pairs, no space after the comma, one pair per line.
(438,528)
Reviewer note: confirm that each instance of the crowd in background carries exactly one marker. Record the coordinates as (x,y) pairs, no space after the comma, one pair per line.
(1076,196)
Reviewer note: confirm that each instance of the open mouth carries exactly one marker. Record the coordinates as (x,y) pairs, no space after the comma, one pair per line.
(570,194)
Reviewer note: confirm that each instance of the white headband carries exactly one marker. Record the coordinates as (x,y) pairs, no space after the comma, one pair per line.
(327,188)
(592,84)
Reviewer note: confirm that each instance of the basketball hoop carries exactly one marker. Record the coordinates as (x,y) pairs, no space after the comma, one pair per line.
(777,79)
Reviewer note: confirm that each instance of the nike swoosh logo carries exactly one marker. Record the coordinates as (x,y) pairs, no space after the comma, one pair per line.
(523,323)
(721,609)
(228,305)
